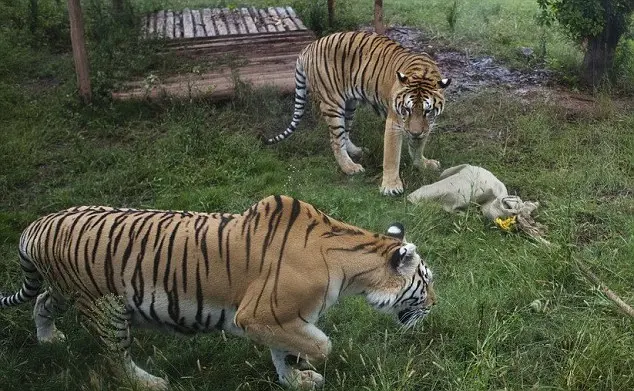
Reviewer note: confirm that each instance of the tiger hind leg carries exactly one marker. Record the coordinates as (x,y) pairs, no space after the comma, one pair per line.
(354,151)
(110,318)
(335,119)
(47,305)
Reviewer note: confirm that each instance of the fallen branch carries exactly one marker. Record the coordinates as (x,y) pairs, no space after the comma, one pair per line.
(611,295)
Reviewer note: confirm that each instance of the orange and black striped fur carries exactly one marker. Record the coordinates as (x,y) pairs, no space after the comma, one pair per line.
(267,274)
(343,69)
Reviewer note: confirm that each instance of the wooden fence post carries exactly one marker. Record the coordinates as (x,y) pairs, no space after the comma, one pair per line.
(331,12)
(79,49)
(379,27)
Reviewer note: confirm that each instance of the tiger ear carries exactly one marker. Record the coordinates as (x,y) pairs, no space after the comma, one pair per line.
(401,77)
(444,83)
(396,230)
(403,259)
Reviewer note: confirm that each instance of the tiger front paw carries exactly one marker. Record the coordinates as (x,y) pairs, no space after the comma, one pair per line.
(352,169)
(303,380)
(431,164)
(392,187)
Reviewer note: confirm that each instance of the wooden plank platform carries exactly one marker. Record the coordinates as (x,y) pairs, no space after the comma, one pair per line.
(209,23)
(264,41)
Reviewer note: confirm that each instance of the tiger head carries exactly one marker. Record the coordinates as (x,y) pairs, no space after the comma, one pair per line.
(414,296)
(418,99)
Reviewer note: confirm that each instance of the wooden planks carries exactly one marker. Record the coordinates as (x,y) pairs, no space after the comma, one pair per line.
(259,46)
(248,45)
(208,23)
(275,72)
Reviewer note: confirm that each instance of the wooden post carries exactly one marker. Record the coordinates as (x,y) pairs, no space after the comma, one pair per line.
(379,27)
(331,12)
(79,49)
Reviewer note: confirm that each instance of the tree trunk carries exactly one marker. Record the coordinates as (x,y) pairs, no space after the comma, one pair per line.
(598,61)
(379,27)
(79,49)
(34,15)
(331,12)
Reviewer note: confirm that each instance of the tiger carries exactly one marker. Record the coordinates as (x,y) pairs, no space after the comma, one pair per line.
(343,69)
(266,274)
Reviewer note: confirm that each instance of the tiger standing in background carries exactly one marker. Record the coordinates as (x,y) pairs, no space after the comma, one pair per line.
(343,69)
(267,274)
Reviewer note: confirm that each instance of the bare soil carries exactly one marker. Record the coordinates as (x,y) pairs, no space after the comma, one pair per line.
(473,74)
(469,74)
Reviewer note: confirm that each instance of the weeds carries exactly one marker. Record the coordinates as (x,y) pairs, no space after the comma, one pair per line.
(452,16)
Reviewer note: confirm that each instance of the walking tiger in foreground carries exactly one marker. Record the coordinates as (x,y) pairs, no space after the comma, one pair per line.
(267,274)
(343,69)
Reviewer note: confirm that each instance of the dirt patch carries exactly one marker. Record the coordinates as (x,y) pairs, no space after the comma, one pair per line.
(469,74)
(472,74)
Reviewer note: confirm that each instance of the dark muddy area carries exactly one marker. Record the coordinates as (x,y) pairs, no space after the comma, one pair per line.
(469,74)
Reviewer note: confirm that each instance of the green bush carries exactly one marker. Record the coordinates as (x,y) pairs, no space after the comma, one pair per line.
(315,15)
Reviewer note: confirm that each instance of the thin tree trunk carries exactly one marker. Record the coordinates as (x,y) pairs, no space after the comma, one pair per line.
(34,15)
(599,58)
(598,61)
(79,49)
(379,27)
(331,12)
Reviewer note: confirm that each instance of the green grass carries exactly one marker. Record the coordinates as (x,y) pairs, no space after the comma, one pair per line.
(511,314)
(484,334)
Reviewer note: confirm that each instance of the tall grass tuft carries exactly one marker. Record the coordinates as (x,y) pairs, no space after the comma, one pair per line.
(315,15)
(452,16)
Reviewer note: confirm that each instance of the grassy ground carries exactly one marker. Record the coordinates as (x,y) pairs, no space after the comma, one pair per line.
(512,315)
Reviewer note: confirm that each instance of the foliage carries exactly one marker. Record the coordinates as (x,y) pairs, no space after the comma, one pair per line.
(598,25)
(315,15)
(581,18)
(39,23)
(584,19)
(623,62)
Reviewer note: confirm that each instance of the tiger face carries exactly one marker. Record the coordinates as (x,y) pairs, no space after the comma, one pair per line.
(418,101)
(415,296)
(415,300)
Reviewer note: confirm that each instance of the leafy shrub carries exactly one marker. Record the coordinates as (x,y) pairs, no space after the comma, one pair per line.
(315,15)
